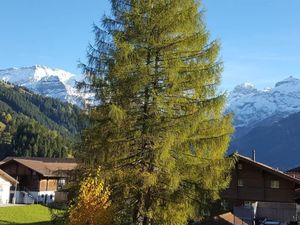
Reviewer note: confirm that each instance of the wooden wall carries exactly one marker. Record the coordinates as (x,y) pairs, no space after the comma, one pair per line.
(48,185)
(29,179)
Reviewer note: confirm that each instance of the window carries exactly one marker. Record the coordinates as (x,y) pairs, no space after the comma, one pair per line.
(240,183)
(240,166)
(275,184)
(61,183)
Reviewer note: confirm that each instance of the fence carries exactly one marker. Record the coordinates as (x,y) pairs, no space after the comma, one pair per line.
(61,197)
(281,212)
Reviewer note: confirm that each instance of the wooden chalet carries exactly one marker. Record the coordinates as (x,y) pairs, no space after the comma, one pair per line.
(39,178)
(252,181)
(257,190)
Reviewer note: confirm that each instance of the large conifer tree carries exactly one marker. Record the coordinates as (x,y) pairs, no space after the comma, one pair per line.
(159,133)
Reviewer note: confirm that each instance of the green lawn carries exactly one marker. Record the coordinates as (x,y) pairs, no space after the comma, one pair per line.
(31,215)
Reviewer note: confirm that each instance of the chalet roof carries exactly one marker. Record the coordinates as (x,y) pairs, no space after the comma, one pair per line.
(268,168)
(223,219)
(294,172)
(296,169)
(8,177)
(48,167)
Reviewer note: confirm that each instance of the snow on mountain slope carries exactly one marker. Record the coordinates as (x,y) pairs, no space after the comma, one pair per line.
(251,106)
(55,83)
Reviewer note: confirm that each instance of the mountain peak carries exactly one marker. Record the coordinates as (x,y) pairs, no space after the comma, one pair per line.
(247,85)
(290,80)
(245,88)
(37,66)
(44,80)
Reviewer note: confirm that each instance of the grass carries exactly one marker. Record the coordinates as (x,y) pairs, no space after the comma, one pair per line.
(27,214)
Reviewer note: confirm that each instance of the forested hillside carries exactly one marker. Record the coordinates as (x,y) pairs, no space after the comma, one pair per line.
(32,125)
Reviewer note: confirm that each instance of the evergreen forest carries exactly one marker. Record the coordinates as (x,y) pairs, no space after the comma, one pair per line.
(37,126)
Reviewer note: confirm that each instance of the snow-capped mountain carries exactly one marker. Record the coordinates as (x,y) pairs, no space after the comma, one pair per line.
(55,83)
(251,106)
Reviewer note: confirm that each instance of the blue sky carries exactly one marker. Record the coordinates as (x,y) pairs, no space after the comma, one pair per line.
(260,38)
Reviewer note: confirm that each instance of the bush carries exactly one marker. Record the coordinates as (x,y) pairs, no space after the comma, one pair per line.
(92,205)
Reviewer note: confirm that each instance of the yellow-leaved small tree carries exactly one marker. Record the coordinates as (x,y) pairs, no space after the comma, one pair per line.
(92,206)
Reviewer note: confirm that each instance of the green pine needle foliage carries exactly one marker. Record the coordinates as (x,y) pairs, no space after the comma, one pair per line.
(160,134)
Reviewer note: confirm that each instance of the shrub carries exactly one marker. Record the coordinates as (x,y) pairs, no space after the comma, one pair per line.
(92,205)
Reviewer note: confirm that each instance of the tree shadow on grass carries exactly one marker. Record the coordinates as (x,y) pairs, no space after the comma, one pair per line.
(3,222)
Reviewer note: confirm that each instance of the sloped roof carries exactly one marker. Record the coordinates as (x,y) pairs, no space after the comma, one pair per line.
(7,177)
(296,169)
(48,167)
(223,219)
(268,168)
(294,174)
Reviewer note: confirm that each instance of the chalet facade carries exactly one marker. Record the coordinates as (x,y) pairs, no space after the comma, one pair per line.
(39,179)
(252,181)
(257,190)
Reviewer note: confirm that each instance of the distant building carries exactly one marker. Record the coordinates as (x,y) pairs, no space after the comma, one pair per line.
(39,179)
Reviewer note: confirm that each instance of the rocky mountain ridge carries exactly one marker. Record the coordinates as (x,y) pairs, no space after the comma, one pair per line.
(49,82)
(251,106)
